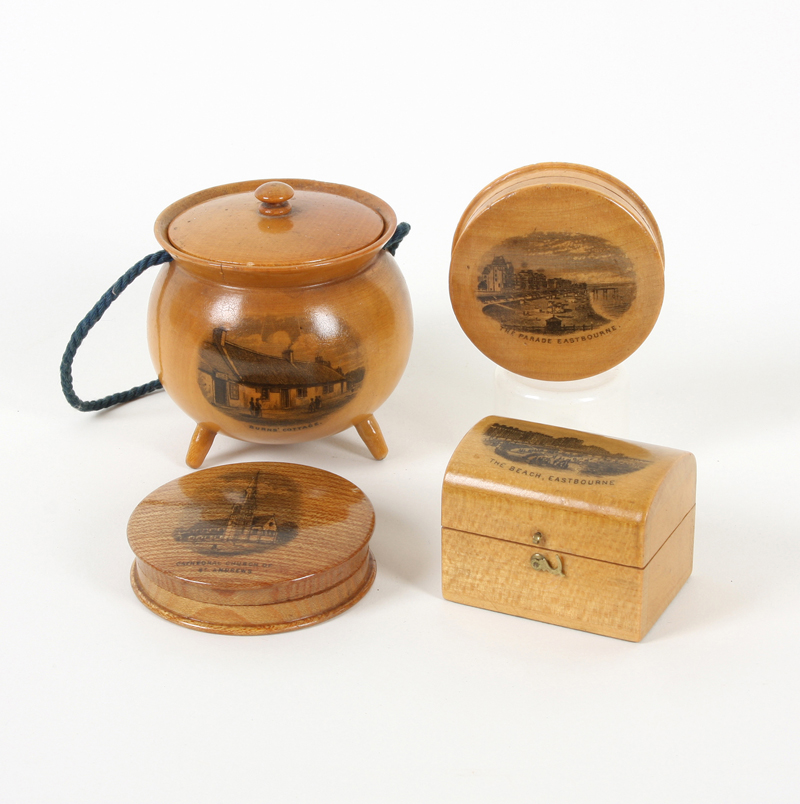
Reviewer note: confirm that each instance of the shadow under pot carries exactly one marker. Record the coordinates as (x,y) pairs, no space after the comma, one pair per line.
(282,316)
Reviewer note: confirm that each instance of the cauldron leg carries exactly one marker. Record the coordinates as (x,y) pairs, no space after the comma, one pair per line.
(200,444)
(371,434)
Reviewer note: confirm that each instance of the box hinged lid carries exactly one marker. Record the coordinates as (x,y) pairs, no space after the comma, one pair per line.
(569,491)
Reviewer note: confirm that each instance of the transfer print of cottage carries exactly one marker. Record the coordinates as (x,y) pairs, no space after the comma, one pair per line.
(250,384)
(566,453)
(555,282)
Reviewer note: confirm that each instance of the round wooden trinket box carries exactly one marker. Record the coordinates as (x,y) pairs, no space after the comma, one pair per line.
(557,271)
(252,548)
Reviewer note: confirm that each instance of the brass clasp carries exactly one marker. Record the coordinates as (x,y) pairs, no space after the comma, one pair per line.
(540,563)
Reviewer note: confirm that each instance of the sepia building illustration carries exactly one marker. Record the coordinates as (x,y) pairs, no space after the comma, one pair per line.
(252,384)
(246,529)
(561,454)
(554,282)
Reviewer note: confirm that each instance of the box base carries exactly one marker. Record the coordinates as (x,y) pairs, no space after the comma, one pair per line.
(254,620)
(596,596)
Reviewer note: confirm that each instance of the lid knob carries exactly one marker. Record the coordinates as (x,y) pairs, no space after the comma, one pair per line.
(274,197)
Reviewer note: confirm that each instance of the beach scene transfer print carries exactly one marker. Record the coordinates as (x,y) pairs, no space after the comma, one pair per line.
(565,453)
(555,282)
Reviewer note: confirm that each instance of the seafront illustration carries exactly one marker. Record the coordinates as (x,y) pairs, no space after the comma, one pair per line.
(555,282)
(568,453)
(255,520)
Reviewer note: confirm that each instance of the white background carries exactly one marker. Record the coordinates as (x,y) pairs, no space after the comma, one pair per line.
(113,111)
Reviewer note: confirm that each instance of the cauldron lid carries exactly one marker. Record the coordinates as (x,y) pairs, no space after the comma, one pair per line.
(257,547)
(557,271)
(276,224)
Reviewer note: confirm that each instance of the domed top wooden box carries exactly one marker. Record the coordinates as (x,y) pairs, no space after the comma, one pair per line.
(567,527)
(252,548)
(557,271)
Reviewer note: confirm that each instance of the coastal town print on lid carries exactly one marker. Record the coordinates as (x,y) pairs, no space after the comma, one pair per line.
(531,447)
(567,527)
(557,271)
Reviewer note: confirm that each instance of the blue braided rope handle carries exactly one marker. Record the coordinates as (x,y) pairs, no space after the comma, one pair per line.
(82,330)
(96,313)
(397,238)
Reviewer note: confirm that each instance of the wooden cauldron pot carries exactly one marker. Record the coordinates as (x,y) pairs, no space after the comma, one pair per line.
(281,318)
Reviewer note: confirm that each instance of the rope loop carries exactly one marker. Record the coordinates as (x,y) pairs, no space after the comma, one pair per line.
(82,330)
(397,238)
(96,313)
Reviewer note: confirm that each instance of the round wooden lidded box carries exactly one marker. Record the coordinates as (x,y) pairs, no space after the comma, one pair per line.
(557,271)
(252,548)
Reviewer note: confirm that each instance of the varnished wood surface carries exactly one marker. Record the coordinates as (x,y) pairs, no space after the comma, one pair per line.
(597,596)
(667,572)
(580,278)
(497,483)
(612,519)
(255,545)
(248,590)
(254,620)
(327,232)
(371,434)
(406,698)
(545,173)
(279,329)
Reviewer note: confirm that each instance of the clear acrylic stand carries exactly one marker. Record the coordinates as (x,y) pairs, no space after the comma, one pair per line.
(596,404)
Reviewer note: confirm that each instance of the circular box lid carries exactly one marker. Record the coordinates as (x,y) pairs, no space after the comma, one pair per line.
(557,271)
(252,548)
(283,230)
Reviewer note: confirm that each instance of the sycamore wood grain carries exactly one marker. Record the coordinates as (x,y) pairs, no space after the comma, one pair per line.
(370,432)
(623,518)
(275,198)
(597,596)
(605,244)
(200,444)
(567,527)
(278,328)
(264,546)
(545,173)
(329,231)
